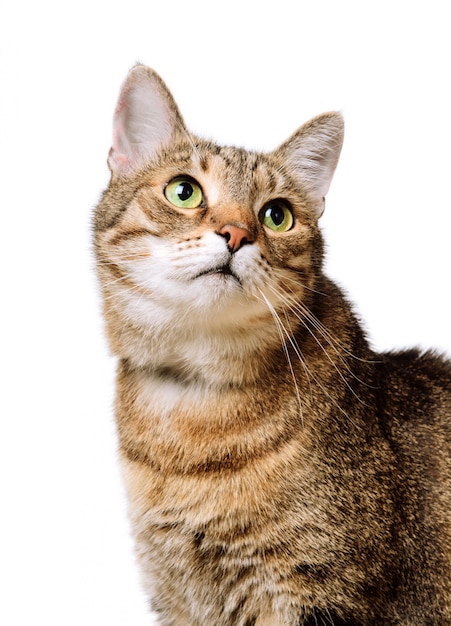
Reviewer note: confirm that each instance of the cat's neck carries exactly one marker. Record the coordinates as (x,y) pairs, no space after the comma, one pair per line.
(212,354)
(203,401)
(202,357)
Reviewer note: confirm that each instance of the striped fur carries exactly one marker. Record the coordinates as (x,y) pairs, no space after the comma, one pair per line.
(279,473)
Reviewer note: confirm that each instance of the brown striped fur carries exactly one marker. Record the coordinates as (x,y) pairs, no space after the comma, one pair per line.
(279,472)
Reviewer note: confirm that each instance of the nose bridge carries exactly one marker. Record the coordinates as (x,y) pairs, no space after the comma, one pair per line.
(236,214)
(235,222)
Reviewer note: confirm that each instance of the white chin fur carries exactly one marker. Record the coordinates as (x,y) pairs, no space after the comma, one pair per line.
(196,323)
(172,275)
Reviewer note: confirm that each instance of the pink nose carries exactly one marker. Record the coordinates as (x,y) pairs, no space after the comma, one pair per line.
(235,236)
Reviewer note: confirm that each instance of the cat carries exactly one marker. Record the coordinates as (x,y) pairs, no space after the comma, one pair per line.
(278,471)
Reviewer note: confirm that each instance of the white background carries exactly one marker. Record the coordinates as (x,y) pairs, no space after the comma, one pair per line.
(242,72)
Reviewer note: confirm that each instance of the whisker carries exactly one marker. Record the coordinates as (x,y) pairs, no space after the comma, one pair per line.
(125,283)
(296,305)
(281,330)
(296,281)
(314,320)
(298,353)
(301,317)
(190,138)
(331,621)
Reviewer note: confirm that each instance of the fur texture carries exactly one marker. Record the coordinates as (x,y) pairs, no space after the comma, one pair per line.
(279,472)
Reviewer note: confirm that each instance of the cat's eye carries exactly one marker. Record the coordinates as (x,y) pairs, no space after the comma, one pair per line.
(277,216)
(184,192)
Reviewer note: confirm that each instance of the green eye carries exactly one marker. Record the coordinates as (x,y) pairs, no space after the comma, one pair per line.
(277,216)
(184,193)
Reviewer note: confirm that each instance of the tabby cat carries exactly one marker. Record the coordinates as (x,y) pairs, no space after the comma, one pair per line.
(278,471)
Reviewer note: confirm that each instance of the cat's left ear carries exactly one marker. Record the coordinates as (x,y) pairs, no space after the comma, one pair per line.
(146,118)
(312,153)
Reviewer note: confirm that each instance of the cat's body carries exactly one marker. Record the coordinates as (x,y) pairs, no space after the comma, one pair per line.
(278,471)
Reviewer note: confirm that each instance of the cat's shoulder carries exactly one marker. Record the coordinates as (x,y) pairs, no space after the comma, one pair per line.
(415,366)
(414,393)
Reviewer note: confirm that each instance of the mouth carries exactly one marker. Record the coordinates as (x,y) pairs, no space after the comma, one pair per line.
(223,270)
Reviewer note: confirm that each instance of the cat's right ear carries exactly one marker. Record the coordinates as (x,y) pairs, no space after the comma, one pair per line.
(146,118)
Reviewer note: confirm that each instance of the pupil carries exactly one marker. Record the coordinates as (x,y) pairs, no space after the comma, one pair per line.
(277,215)
(184,191)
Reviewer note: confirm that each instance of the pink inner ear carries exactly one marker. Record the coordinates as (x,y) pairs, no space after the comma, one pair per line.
(120,143)
(146,117)
(117,160)
(119,157)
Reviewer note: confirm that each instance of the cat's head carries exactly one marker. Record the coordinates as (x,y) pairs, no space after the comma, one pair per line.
(196,239)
